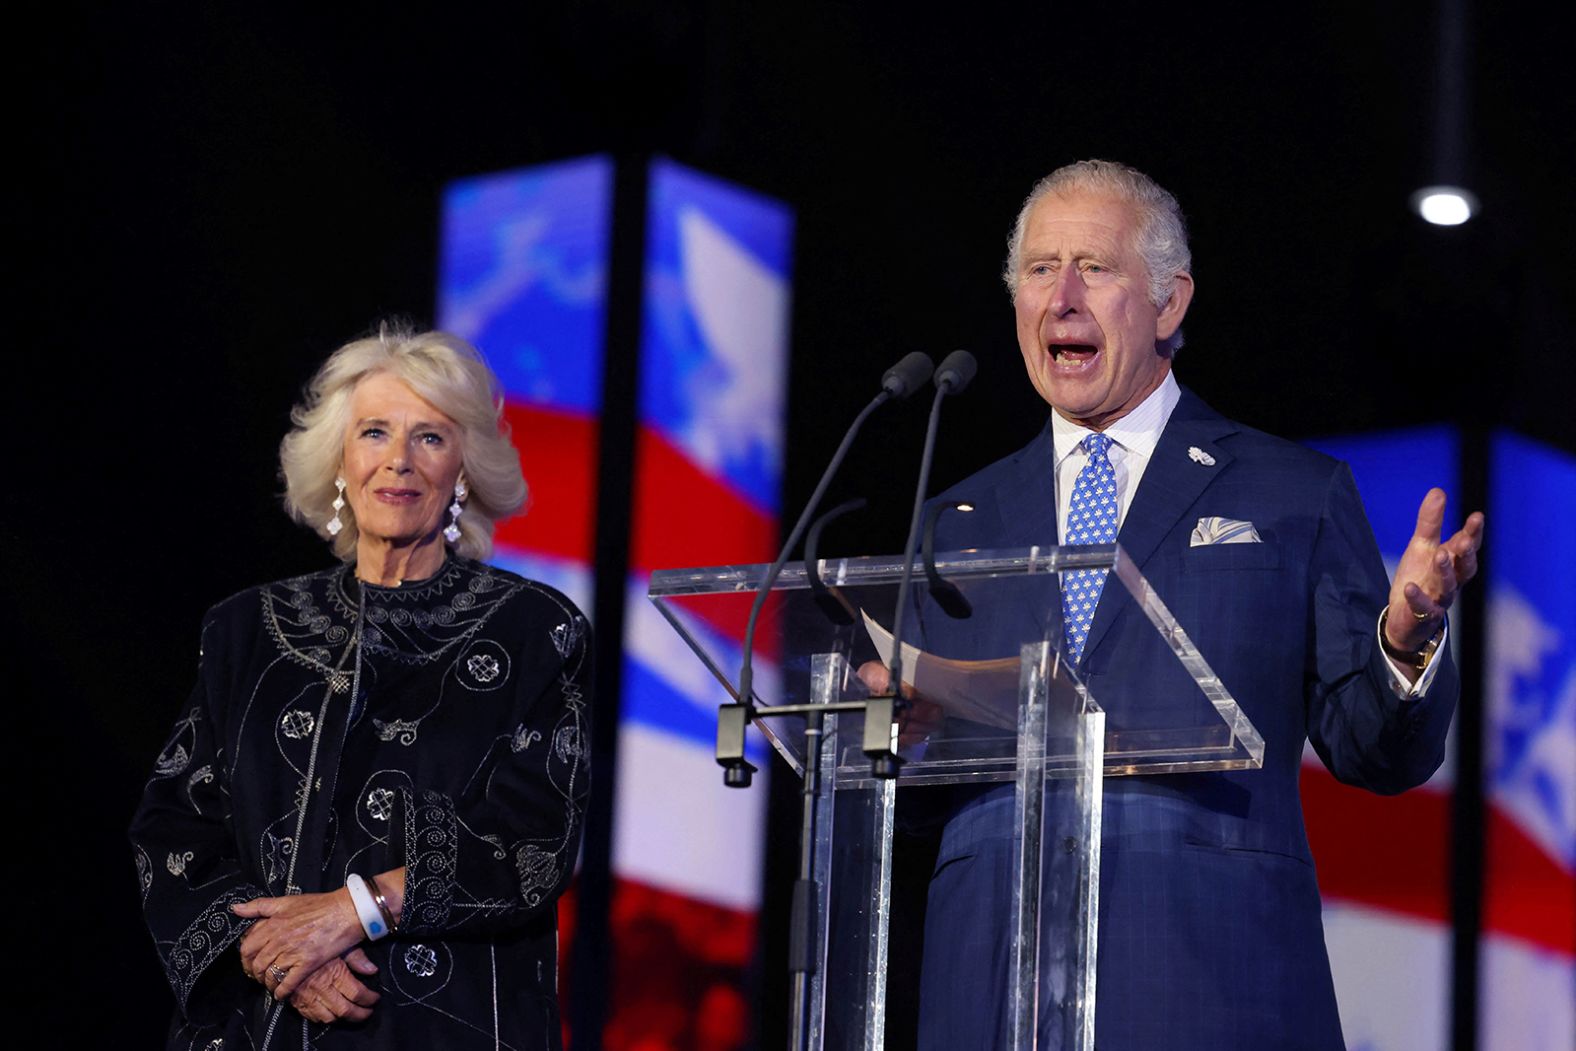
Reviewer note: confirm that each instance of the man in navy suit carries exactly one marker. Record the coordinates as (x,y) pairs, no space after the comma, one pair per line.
(1210,932)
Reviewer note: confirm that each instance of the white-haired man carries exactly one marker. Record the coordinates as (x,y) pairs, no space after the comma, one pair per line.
(1210,933)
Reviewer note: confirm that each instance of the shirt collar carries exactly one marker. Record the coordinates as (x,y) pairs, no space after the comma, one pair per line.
(1137,432)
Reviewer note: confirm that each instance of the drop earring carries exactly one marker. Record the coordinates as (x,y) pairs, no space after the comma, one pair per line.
(451,532)
(334,524)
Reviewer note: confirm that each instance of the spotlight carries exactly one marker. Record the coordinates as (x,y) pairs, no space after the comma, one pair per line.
(1444,205)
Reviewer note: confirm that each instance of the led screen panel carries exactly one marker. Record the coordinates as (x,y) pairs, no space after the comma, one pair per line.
(1527,957)
(1384,862)
(523,275)
(687,851)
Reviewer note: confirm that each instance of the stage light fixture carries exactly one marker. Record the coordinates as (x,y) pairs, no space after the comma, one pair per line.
(1444,205)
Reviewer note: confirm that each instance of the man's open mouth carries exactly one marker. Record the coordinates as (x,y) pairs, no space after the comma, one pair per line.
(1073,351)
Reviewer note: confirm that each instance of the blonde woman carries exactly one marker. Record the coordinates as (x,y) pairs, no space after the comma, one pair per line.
(356,834)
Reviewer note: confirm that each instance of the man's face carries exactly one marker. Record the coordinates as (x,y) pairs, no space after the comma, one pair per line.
(1086,326)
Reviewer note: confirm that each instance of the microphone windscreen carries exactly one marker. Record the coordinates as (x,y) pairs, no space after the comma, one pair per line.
(956,371)
(907,376)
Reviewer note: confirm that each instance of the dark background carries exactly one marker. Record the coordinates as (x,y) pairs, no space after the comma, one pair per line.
(210,201)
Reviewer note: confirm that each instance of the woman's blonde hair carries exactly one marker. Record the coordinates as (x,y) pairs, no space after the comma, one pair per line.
(446,371)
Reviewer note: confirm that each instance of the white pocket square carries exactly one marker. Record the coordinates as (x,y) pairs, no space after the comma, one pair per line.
(1216,530)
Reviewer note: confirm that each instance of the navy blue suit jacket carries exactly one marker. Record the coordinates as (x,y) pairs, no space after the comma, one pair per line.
(1210,931)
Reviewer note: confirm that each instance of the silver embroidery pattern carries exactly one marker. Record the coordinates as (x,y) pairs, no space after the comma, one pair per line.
(421,961)
(397,728)
(176,756)
(297,723)
(173,762)
(276,856)
(566,743)
(523,738)
(207,936)
(380,803)
(483,667)
(538,872)
(565,637)
(176,863)
(144,872)
(431,849)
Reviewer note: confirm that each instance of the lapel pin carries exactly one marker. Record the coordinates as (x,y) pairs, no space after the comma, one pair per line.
(1198,455)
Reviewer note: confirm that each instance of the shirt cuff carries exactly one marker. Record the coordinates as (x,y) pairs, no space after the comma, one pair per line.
(1411,691)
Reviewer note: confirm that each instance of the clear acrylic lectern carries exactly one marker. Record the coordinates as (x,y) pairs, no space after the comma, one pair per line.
(994,701)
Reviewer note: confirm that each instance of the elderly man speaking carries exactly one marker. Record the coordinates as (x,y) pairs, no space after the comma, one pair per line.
(1210,934)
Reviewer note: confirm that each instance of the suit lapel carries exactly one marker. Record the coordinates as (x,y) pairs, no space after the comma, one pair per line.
(1171,485)
(1026,497)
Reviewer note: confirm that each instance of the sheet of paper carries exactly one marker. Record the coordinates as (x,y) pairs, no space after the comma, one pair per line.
(979,691)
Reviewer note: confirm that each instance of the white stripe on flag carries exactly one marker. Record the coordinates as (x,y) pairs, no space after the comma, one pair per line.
(1392,978)
(678,828)
(1528,998)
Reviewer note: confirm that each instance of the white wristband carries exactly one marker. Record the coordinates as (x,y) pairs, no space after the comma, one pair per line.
(366,908)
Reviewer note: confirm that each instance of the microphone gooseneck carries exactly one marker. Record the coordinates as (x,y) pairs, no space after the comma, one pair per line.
(952,376)
(898,382)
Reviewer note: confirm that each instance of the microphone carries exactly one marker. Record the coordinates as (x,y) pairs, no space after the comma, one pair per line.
(910,374)
(898,382)
(956,371)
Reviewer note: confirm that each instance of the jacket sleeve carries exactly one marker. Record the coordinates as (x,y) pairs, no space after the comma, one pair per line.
(187,863)
(1365,733)
(501,850)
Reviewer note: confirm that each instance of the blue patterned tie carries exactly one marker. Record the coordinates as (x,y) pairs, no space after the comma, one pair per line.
(1090,520)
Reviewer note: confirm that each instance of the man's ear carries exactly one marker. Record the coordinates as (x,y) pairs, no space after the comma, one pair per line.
(1170,317)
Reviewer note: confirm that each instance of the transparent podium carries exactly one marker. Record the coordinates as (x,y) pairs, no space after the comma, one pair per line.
(991,703)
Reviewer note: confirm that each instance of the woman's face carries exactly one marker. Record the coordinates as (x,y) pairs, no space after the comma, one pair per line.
(402,458)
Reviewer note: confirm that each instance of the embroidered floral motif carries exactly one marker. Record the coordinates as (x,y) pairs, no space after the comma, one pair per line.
(483,667)
(421,961)
(176,863)
(297,723)
(523,738)
(380,803)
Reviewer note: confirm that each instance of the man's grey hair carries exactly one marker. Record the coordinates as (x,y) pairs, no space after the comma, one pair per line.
(1162,232)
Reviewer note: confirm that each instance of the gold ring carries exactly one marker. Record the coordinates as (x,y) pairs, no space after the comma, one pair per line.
(1421,616)
(277,973)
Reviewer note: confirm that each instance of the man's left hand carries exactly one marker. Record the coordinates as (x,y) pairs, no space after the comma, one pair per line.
(1431,572)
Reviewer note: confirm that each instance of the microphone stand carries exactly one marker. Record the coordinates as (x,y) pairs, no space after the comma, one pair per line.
(880,742)
(733,719)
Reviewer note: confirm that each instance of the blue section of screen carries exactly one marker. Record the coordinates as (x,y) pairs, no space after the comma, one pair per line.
(650,701)
(1530,539)
(523,275)
(1394,469)
(714,330)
